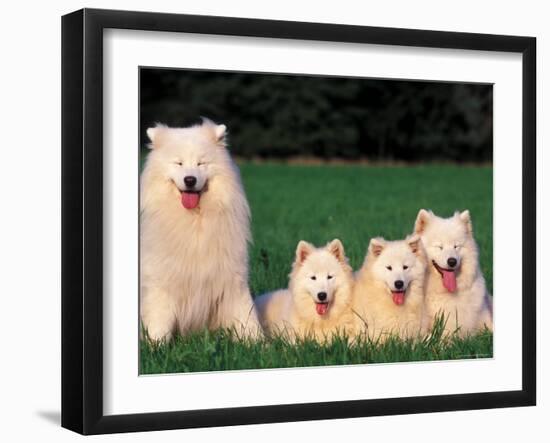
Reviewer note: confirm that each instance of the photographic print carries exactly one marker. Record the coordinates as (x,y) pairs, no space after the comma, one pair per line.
(296,220)
(255,207)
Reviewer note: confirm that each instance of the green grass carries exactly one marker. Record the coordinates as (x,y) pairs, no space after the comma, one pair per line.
(219,351)
(352,203)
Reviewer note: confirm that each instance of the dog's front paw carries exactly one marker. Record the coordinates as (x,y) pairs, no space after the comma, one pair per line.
(157,335)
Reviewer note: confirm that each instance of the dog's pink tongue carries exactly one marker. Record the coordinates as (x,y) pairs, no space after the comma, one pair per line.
(190,200)
(321,308)
(398,298)
(449,280)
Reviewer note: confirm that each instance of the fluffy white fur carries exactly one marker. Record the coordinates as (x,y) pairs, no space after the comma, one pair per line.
(469,307)
(387,262)
(293,311)
(194,262)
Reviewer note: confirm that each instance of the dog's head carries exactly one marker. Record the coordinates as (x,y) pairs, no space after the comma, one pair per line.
(188,157)
(320,280)
(448,242)
(397,264)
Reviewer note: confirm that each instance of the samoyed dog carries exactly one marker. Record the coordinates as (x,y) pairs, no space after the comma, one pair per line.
(455,286)
(194,235)
(388,296)
(317,303)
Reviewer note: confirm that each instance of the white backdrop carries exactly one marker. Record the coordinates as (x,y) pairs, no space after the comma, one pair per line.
(30,234)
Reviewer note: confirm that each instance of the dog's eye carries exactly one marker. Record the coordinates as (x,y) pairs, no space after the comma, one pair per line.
(200,163)
(329,277)
(405,267)
(388,268)
(178,163)
(440,247)
(457,246)
(313,277)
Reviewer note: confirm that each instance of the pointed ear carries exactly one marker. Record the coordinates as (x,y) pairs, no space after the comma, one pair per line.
(219,132)
(303,250)
(466,219)
(414,243)
(422,220)
(151,134)
(376,246)
(155,134)
(336,248)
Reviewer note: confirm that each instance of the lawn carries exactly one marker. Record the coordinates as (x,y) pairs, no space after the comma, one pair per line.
(353,203)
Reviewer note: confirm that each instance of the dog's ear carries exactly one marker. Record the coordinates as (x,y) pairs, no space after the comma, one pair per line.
(422,220)
(303,250)
(376,246)
(336,248)
(219,132)
(465,218)
(414,243)
(155,135)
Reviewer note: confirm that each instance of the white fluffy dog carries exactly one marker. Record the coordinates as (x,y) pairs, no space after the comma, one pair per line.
(455,286)
(317,303)
(389,289)
(194,234)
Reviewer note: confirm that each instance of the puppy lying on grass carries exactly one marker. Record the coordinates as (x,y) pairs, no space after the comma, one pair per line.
(388,296)
(317,303)
(455,286)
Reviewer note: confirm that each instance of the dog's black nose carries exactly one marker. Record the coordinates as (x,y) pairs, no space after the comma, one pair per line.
(190,181)
(452,262)
(399,284)
(322,296)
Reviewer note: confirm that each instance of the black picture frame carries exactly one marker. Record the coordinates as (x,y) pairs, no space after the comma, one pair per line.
(82,220)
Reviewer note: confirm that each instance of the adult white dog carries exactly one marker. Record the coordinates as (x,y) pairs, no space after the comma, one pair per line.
(194,235)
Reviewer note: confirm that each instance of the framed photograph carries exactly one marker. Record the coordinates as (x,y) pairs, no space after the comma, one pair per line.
(268,221)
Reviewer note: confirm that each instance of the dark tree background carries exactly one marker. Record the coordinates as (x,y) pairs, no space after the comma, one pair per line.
(277,116)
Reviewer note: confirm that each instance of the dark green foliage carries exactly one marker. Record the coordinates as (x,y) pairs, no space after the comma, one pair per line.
(286,115)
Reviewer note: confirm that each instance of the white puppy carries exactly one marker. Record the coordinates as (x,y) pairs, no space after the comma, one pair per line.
(317,303)
(455,286)
(388,296)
